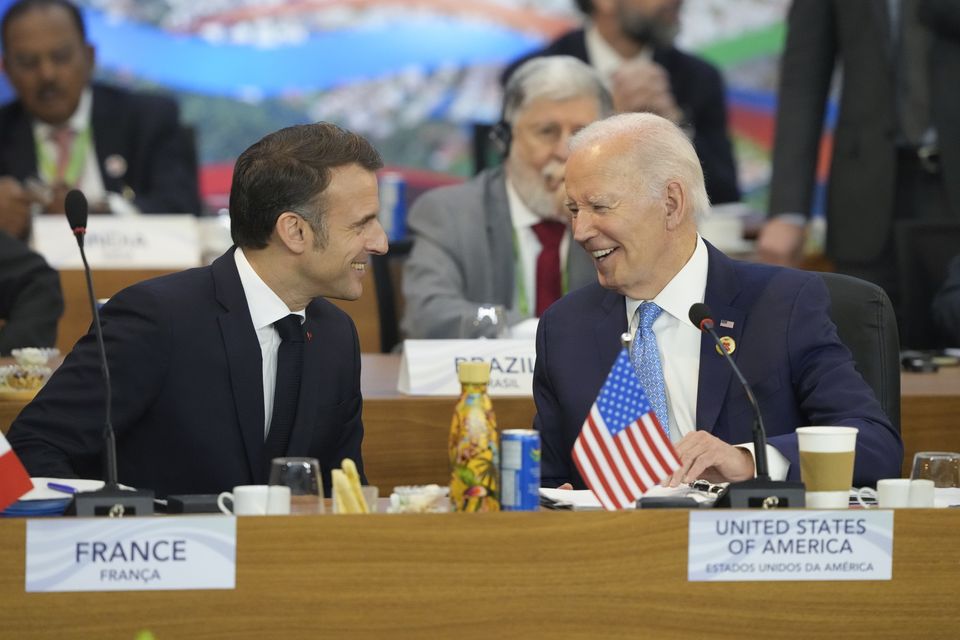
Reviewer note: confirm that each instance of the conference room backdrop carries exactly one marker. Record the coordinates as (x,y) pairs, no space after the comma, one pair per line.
(412,75)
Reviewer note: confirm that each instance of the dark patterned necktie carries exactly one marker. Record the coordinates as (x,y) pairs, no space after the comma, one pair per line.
(287,390)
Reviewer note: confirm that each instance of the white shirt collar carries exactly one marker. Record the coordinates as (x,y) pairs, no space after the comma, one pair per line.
(79,121)
(266,307)
(687,287)
(605,58)
(520,214)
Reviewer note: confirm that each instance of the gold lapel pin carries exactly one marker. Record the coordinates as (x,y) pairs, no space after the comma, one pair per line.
(728,343)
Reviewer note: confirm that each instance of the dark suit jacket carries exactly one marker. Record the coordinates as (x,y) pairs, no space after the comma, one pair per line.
(698,88)
(946,304)
(463,256)
(142,129)
(787,348)
(30,299)
(188,390)
(856,35)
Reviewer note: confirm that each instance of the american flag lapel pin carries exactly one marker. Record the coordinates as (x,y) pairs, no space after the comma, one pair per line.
(726,324)
(309,336)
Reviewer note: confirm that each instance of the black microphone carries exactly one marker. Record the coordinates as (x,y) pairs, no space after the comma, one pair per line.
(76,208)
(760,491)
(111,500)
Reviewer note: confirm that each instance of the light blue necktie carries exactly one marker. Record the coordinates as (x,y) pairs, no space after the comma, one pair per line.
(646,362)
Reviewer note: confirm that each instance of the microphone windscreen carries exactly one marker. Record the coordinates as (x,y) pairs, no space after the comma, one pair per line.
(698,313)
(76,209)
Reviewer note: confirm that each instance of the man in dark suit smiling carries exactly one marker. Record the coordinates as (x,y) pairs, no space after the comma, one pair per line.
(216,370)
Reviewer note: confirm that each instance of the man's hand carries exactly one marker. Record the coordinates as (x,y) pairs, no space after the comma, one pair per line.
(643,85)
(703,455)
(14,208)
(780,242)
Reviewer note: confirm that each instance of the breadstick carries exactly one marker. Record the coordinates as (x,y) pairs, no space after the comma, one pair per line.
(346,503)
(350,470)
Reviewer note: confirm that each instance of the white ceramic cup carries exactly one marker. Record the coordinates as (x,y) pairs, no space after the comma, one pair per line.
(891,493)
(921,494)
(826,465)
(278,500)
(255,500)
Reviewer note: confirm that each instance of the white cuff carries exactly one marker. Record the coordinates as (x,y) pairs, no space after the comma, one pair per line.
(777,463)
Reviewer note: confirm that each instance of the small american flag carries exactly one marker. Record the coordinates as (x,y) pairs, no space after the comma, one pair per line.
(726,324)
(622,451)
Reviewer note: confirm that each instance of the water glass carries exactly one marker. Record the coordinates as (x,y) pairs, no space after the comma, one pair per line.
(943,467)
(487,321)
(302,475)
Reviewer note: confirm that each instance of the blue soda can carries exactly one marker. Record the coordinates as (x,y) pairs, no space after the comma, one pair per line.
(393,204)
(519,470)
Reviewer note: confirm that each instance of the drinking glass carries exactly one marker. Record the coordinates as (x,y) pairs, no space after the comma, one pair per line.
(943,467)
(302,475)
(487,321)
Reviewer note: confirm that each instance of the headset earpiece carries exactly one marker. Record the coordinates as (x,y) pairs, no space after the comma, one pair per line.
(501,136)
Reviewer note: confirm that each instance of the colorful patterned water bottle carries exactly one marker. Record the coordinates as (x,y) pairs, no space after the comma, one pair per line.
(474,444)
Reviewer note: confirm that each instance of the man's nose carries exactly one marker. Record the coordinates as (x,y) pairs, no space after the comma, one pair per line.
(582,227)
(377,243)
(561,149)
(46,69)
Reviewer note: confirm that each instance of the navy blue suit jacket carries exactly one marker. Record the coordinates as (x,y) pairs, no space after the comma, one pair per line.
(699,91)
(143,129)
(787,347)
(188,390)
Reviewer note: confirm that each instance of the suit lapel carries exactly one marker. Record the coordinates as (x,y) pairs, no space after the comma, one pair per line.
(723,286)
(20,156)
(109,140)
(611,324)
(245,360)
(499,231)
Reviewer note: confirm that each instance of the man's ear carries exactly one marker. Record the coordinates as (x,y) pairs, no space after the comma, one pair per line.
(674,203)
(290,230)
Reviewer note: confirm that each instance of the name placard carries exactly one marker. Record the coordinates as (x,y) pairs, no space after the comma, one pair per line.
(121,242)
(429,367)
(743,546)
(136,554)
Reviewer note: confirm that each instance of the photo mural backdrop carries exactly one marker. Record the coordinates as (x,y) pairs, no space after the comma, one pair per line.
(411,75)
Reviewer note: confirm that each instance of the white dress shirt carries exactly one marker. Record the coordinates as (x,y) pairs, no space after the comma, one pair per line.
(528,248)
(266,307)
(90,180)
(678,342)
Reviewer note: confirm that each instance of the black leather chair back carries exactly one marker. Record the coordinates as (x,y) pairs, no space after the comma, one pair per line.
(924,251)
(867,325)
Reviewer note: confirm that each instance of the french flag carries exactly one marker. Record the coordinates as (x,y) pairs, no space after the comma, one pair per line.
(14,479)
